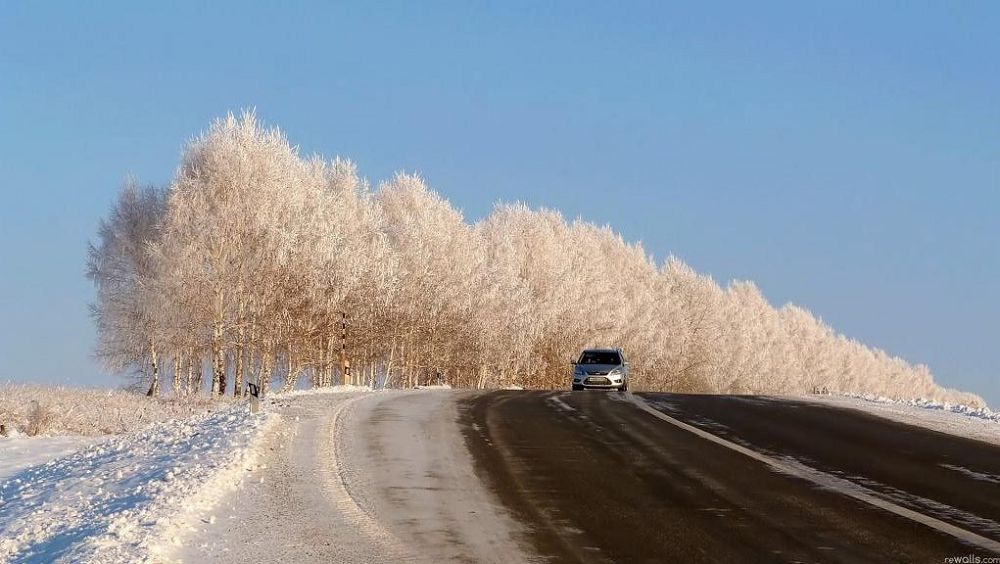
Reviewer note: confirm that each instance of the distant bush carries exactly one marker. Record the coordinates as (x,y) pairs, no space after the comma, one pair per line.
(34,409)
(41,418)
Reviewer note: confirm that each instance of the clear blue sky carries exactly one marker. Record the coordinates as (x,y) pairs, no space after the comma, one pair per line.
(844,156)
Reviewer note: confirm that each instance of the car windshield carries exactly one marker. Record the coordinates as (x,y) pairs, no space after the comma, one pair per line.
(600,357)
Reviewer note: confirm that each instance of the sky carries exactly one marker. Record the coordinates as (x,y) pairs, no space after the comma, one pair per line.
(845,156)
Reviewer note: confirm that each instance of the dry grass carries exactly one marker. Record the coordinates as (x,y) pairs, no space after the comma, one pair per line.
(35,409)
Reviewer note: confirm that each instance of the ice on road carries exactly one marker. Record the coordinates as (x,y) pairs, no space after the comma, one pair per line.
(371,477)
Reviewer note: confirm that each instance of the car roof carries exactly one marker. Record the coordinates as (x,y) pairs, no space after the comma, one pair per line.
(603,350)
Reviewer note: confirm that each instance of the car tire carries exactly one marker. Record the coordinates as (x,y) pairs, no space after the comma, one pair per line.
(577,388)
(624,387)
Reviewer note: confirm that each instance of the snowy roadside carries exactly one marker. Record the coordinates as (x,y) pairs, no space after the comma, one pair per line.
(963,421)
(297,498)
(360,477)
(120,499)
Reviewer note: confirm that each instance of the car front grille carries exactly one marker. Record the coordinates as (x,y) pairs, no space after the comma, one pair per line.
(597,381)
(598,373)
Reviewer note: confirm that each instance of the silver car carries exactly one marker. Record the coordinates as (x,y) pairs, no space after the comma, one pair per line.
(604,369)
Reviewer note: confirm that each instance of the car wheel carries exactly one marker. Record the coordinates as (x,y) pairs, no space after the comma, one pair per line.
(624,387)
(577,388)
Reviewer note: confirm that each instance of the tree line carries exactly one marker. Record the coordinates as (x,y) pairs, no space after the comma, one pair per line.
(246,266)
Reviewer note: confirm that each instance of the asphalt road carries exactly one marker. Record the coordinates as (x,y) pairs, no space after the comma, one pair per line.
(595,477)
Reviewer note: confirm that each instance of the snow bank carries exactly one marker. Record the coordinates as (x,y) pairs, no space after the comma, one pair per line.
(980,423)
(118,500)
(924,403)
(35,409)
(435,387)
(342,389)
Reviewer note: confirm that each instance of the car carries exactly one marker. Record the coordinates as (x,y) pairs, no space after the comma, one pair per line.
(600,369)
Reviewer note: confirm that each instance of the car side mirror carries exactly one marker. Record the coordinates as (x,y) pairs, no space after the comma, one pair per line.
(572,363)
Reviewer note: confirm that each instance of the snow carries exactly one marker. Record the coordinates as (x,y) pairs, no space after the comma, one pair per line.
(973,474)
(18,453)
(340,389)
(554,400)
(961,420)
(961,409)
(301,482)
(119,499)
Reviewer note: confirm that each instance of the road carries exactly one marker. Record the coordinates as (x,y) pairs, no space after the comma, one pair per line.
(520,476)
(601,480)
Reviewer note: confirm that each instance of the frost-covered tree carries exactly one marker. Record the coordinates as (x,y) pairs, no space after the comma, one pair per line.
(253,258)
(231,231)
(435,256)
(128,312)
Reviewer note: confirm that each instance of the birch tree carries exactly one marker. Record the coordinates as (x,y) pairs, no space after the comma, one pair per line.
(127,314)
(254,255)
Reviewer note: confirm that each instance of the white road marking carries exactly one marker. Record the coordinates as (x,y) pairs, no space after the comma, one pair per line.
(555,400)
(826,481)
(973,474)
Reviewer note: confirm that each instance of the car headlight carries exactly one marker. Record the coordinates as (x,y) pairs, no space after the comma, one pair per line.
(615,372)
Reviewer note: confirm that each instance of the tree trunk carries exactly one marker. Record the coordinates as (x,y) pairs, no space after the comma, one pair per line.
(481,381)
(218,353)
(314,377)
(266,366)
(290,376)
(240,361)
(178,377)
(328,361)
(218,363)
(388,365)
(193,377)
(154,384)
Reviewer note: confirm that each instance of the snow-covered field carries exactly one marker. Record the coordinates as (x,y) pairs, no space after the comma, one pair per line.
(18,453)
(961,420)
(119,499)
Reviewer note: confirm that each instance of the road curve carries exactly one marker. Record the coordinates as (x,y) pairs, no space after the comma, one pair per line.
(597,479)
(515,476)
(352,478)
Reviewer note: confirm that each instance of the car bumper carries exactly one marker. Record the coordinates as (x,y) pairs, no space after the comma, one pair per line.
(609,383)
